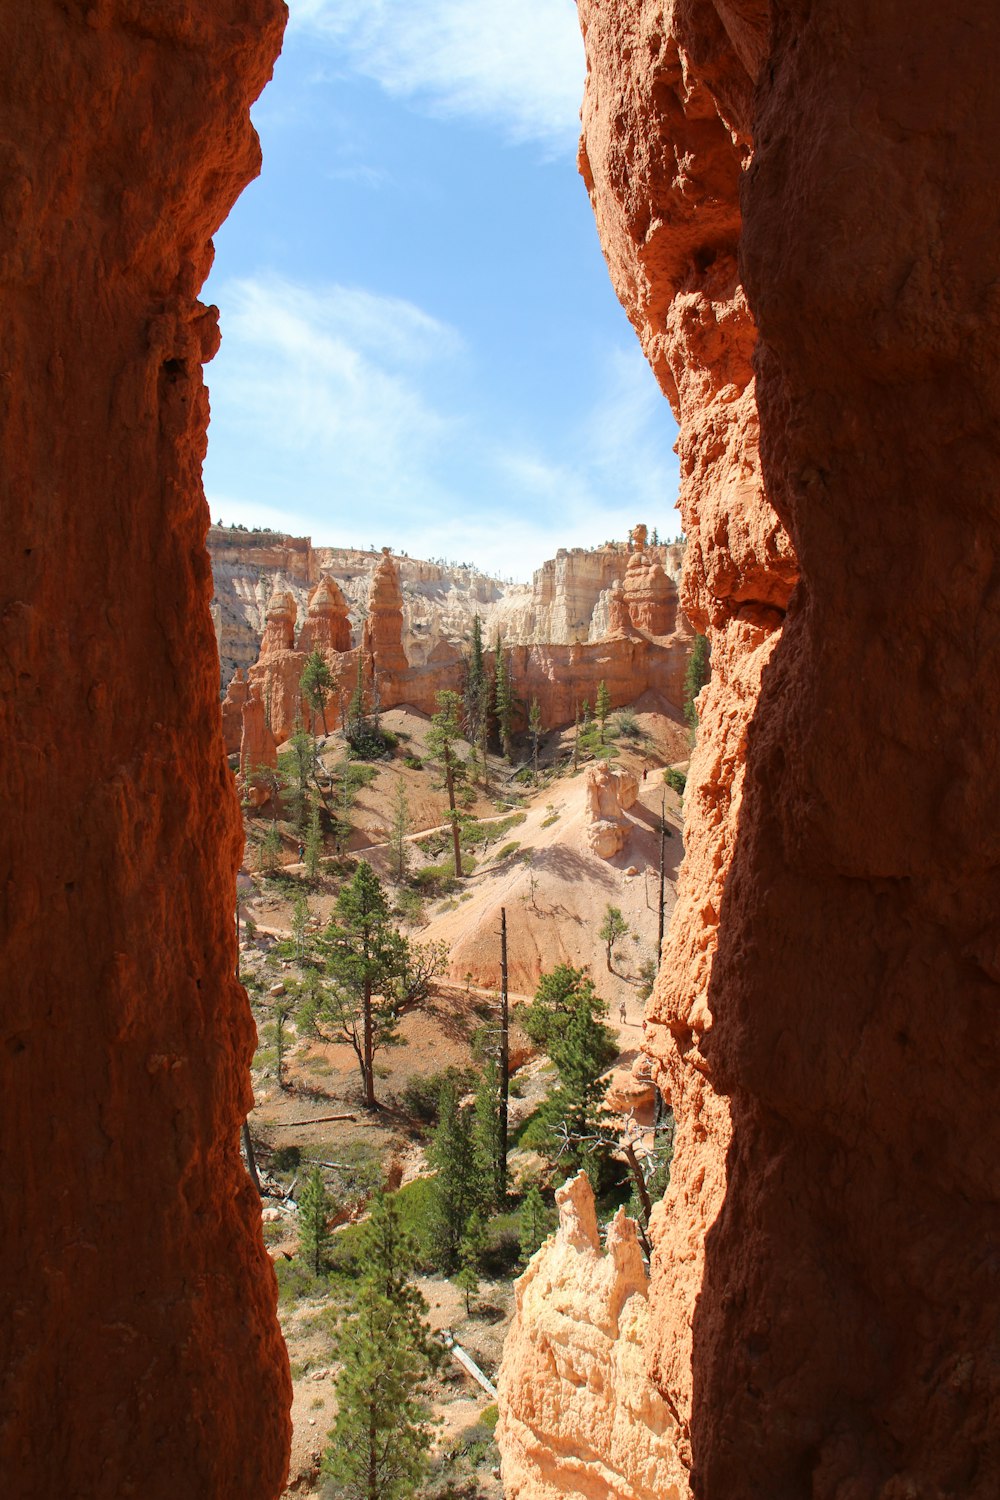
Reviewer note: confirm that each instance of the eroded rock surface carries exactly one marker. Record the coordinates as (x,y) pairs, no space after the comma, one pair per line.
(579,1415)
(139,1350)
(819,1290)
(609,794)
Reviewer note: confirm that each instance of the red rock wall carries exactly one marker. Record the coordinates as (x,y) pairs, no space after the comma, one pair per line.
(856,1351)
(823,1290)
(139,1351)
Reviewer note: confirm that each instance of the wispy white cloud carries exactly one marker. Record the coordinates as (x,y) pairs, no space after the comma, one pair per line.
(326,387)
(356,419)
(514,64)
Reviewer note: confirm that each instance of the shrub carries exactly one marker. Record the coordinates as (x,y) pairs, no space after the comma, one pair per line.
(502,1250)
(508,850)
(628,726)
(413,762)
(421,1096)
(675,779)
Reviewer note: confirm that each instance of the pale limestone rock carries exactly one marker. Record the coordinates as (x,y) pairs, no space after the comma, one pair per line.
(578,1413)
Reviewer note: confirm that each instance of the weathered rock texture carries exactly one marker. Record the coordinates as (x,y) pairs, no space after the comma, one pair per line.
(383,634)
(630,660)
(609,793)
(139,1350)
(258,751)
(823,1290)
(326,626)
(567,600)
(580,1414)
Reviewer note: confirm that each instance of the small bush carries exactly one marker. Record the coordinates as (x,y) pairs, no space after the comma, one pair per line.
(421,1096)
(434,880)
(676,780)
(508,850)
(502,1251)
(413,762)
(628,726)
(548,822)
(410,905)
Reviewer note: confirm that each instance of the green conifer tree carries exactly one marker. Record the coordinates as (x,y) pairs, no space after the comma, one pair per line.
(611,929)
(535,730)
(602,705)
(697,674)
(503,699)
(380,1441)
(535,1223)
(314,843)
(442,747)
(315,685)
(457,1184)
(314,1208)
(399,848)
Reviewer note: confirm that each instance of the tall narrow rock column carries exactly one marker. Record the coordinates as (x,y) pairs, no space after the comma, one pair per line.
(662,155)
(139,1350)
(846,1341)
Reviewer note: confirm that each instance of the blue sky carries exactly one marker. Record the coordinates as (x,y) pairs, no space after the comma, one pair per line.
(421,347)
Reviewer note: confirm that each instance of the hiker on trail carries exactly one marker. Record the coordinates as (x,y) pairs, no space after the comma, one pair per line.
(302,852)
(622,1012)
(645,772)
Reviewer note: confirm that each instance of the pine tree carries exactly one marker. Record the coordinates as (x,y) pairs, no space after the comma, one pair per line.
(535,730)
(457,1185)
(477,693)
(695,677)
(566,1019)
(535,1223)
(442,747)
(380,1441)
(398,830)
(469,1253)
(303,767)
(281,1011)
(611,929)
(487,1135)
(300,917)
(270,848)
(602,705)
(503,699)
(363,956)
(314,1213)
(314,843)
(315,685)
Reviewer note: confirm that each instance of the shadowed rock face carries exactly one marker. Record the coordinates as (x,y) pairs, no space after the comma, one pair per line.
(139,1351)
(823,1289)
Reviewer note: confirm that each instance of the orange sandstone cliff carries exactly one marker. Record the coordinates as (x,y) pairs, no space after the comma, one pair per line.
(139,1349)
(798,208)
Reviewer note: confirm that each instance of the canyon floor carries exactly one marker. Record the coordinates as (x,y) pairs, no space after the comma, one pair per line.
(532,859)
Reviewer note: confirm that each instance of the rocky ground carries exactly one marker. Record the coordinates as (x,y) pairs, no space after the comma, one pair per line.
(533,860)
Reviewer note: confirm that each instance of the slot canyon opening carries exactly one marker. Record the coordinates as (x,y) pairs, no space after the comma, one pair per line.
(798,209)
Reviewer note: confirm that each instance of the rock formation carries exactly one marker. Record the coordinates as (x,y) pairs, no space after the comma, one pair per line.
(579,1413)
(630,660)
(139,1348)
(649,597)
(258,750)
(327,626)
(232,712)
(821,1305)
(567,600)
(609,793)
(279,632)
(383,637)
